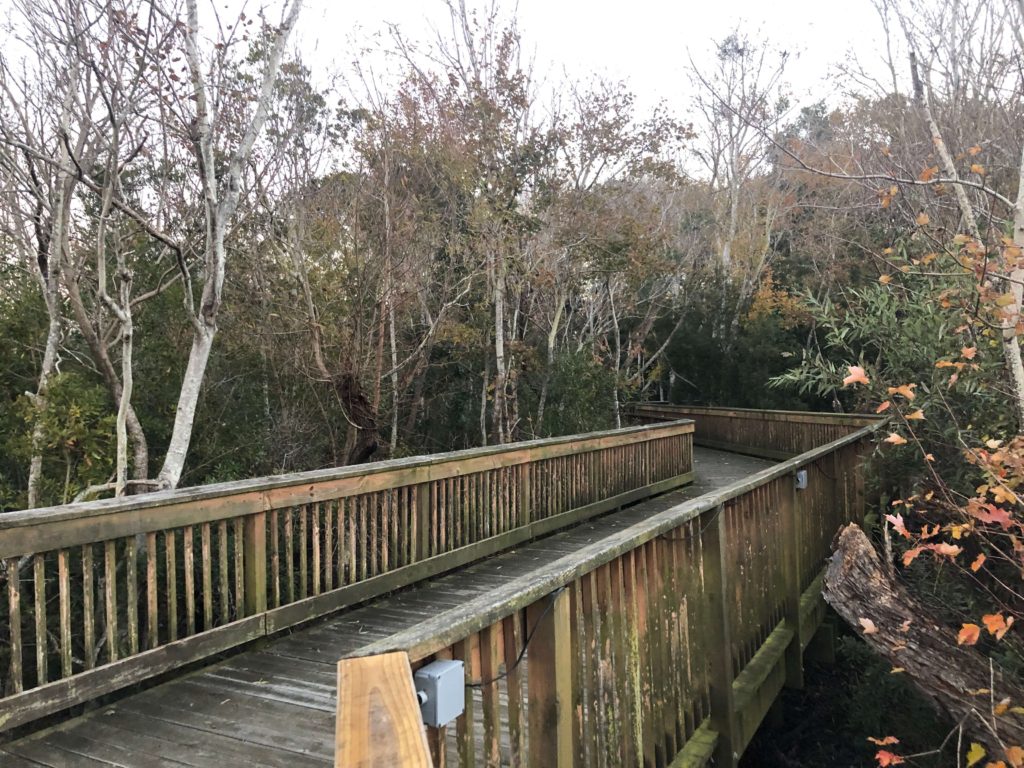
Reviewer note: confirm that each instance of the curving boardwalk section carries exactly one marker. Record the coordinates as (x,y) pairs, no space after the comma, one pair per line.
(274,704)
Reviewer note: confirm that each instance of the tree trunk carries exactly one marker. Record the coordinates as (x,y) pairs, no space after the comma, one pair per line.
(859,588)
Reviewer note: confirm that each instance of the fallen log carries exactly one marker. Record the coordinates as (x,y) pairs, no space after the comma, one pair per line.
(959,680)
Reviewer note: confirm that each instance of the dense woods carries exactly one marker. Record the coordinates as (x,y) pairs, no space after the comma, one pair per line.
(218,262)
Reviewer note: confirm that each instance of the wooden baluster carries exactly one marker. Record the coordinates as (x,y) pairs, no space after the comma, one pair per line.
(64,589)
(791,565)
(289,553)
(39,580)
(110,594)
(328,545)
(171,559)
(238,528)
(489,661)
(315,534)
(88,608)
(14,616)
(222,570)
(464,725)
(717,570)
(131,578)
(152,609)
(190,582)
(362,526)
(275,558)
(205,536)
(513,642)
(550,682)
(303,550)
(577,649)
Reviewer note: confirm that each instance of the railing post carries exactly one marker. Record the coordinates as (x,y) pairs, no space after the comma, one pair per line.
(254,557)
(716,584)
(792,571)
(550,682)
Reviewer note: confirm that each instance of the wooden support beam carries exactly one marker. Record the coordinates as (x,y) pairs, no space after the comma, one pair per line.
(549,680)
(716,584)
(255,563)
(378,714)
(790,504)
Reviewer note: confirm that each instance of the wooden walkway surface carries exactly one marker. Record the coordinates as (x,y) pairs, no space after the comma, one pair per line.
(274,705)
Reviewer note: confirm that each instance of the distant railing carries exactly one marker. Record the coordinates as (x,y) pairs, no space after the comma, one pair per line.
(664,643)
(769,434)
(104,594)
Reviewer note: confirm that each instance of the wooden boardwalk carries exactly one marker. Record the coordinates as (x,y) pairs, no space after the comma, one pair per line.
(274,704)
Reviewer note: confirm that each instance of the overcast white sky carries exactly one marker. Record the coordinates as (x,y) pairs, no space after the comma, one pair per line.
(645,42)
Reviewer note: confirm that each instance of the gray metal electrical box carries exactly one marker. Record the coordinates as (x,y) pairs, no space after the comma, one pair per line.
(440,686)
(801,479)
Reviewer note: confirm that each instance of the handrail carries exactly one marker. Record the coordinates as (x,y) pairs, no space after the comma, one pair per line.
(148,583)
(664,642)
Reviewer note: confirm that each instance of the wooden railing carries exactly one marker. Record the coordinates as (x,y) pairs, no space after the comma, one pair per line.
(105,594)
(769,434)
(663,644)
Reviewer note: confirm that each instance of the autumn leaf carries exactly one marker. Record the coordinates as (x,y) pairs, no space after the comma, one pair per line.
(922,219)
(978,169)
(950,550)
(975,150)
(911,554)
(1002,707)
(868,625)
(978,562)
(897,523)
(884,406)
(929,173)
(916,415)
(894,439)
(996,624)
(968,353)
(885,279)
(906,390)
(884,758)
(857,376)
(974,754)
(1015,755)
(969,635)
(884,742)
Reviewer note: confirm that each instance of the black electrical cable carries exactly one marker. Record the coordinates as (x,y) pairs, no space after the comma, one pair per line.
(522,653)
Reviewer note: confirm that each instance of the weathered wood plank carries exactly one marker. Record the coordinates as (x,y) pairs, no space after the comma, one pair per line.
(378,714)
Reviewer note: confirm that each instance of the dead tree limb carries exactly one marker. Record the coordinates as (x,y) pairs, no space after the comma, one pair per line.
(959,680)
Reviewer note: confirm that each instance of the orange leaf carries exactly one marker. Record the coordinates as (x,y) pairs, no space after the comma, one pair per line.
(968,634)
(951,550)
(1016,756)
(857,376)
(996,624)
(975,150)
(885,741)
(978,169)
(968,353)
(894,439)
(929,173)
(885,279)
(885,758)
(868,625)
(910,554)
(993,622)
(884,406)
(916,415)
(907,390)
(978,562)
(922,219)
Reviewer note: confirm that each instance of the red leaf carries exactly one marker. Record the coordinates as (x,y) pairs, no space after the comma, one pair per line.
(884,758)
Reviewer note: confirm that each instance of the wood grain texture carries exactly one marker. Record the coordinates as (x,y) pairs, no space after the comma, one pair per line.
(378,719)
